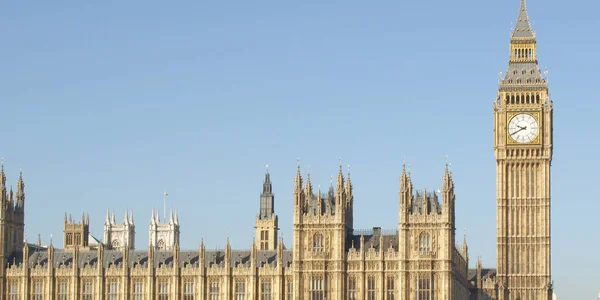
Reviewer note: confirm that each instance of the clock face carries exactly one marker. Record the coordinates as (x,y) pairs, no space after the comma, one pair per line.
(523,128)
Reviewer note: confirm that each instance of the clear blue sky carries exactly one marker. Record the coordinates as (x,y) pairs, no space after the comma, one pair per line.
(105,104)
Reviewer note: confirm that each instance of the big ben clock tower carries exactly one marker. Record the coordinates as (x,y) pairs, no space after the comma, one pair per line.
(523,150)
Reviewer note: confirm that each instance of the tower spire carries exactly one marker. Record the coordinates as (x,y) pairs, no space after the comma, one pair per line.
(523,27)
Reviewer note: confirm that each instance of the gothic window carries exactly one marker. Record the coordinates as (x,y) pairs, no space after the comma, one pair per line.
(161,244)
(371,295)
(424,243)
(424,288)
(317,288)
(38,290)
(213,291)
(112,292)
(352,288)
(115,244)
(265,290)
(188,290)
(88,290)
(163,290)
(289,290)
(13,290)
(240,290)
(264,240)
(318,243)
(138,290)
(389,294)
(62,290)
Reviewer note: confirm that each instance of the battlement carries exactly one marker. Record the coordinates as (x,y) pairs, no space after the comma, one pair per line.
(76,234)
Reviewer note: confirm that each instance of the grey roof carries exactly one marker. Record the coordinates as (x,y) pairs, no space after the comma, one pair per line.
(433,204)
(485,273)
(327,202)
(372,240)
(520,72)
(39,256)
(523,28)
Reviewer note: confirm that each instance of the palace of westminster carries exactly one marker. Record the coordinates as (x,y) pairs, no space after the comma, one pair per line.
(328,260)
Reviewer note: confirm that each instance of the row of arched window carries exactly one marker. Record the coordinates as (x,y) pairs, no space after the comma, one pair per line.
(523,53)
(522,99)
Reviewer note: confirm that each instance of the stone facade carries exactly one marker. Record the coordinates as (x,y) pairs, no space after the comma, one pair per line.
(329,259)
(119,235)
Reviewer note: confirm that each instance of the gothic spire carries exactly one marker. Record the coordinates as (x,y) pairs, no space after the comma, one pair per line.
(340,178)
(267,199)
(298,179)
(2,176)
(20,189)
(523,27)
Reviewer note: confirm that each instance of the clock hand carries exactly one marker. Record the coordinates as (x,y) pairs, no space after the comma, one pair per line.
(522,128)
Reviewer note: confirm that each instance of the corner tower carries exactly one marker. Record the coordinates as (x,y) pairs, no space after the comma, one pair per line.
(117,236)
(164,236)
(523,150)
(320,232)
(266,220)
(76,234)
(12,216)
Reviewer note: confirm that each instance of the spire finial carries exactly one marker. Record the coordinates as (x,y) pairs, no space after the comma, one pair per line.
(340,158)
(298,161)
(331,179)
(465,237)
(447,163)
(2,163)
(267,167)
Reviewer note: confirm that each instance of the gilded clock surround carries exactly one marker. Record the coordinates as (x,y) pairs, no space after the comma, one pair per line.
(536,116)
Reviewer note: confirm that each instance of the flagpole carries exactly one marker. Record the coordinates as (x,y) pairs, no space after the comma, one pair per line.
(165,205)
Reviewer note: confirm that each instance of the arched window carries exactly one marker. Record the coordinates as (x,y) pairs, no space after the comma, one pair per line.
(425,243)
(318,242)
(115,244)
(161,245)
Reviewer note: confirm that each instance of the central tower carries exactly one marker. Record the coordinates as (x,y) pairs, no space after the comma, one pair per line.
(523,150)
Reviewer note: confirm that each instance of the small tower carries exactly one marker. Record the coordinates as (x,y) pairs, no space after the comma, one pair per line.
(266,220)
(164,236)
(76,234)
(117,235)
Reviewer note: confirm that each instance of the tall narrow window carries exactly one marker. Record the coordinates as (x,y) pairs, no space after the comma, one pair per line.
(88,290)
(424,288)
(265,290)
(38,290)
(138,290)
(188,290)
(240,290)
(318,288)
(13,290)
(389,288)
(63,290)
(352,288)
(112,292)
(213,291)
(163,290)
(289,290)
(264,239)
(425,243)
(318,243)
(371,295)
